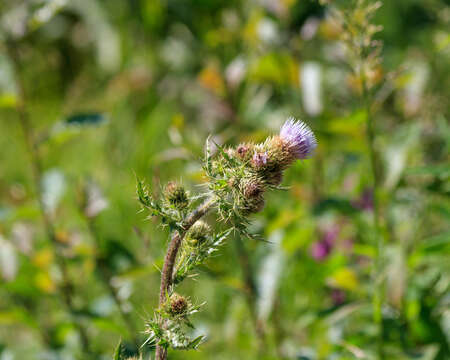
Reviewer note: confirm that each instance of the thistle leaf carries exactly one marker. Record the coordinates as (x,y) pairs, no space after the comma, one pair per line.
(196,342)
(227,157)
(119,351)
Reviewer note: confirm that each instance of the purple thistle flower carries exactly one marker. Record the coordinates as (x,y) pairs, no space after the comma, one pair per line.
(260,159)
(300,138)
(320,250)
(323,247)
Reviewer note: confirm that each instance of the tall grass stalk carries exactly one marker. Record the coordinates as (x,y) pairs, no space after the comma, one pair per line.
(364,56)
(66,288)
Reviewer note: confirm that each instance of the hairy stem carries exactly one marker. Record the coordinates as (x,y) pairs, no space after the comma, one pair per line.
(171,255)
(66,287)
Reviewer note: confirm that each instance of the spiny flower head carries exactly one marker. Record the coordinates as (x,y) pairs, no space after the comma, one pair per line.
(299,137)
(254,204)
(198,233)
(176,195)
(177,304)
(260,159)
(244,151)
(252,187)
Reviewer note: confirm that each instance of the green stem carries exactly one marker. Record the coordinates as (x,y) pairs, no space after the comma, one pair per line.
(377,218)
(171,255)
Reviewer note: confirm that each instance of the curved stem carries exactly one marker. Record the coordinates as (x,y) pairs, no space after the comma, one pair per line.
(171,255)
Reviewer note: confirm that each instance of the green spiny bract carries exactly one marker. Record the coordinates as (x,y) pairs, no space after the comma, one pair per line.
(198,233)
(240,178)
(175,195)
(174,314)
(198,246)
(252,194)
(177,304)
(245,151)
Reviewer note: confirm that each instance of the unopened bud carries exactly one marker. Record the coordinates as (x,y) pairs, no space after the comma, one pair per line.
(198,233)
(251,187)
(177,304)
(176,195)
(244,151)
(275,177)
(254,205)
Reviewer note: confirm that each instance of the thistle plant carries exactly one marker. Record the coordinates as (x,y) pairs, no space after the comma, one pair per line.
(237,180)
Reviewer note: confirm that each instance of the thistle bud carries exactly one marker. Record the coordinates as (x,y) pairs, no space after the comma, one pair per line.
(176,195)
(275,177)
(198,233)
(279,152)
(260,159)
(177,304)
(251,187)
(244,151)
(254,205)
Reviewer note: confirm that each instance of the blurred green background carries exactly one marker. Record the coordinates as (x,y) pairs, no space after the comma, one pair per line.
(117,88)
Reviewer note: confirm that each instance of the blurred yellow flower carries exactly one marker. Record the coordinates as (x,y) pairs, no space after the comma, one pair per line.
(44,282)
(211,79)
(344,278)
(43,258)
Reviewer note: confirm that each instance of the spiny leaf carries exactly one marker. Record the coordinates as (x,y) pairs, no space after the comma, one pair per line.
(227,157)
(156,209)
(119,351)
(142,193)
(195,343)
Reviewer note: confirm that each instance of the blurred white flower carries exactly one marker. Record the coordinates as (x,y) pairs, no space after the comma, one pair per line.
(310,78)
(8,260)
(105,38)
(419,73)
(22,236)
(235,71)
(53,187)
(269,275)
(267,31)
(309,28)
(14,21)
(96,202)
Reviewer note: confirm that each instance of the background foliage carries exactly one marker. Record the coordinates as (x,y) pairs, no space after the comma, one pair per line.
(117,88)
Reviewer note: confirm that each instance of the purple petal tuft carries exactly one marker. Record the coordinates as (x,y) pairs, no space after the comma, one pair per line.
(260,159)
(300,138)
